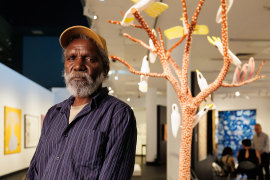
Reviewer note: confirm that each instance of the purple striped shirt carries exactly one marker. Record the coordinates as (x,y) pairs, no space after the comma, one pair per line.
(99,143)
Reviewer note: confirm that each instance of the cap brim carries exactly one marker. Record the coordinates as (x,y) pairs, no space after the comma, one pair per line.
(81,30)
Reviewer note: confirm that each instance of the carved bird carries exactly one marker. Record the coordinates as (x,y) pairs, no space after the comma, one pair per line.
(151,8)
(216,41)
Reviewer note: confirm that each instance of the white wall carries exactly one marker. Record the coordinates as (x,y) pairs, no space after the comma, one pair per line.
(261,104)
(140,108)
(19,92)
(60,94)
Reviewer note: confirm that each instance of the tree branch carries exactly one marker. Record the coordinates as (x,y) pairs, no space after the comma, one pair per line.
(226,65)
(175,45)
(259,69)
(187,48)
(184,13)
(247,81)
(242,83)
(145,26)
(132,70)
(118,22)
(161,39)
(138,41)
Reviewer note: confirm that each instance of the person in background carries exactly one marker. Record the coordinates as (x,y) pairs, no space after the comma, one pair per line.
(228,161)
(91,135)
(261,144)
(249,160)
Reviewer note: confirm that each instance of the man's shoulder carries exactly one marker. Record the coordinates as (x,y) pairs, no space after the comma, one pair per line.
(113,101)
(60,104)
(264,134)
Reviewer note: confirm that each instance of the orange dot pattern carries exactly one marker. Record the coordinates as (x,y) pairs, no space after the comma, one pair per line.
(188,103)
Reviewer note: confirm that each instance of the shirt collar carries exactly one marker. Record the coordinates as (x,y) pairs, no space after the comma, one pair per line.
(97,97)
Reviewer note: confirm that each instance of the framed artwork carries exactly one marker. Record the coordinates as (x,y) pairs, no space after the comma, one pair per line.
(12,130)
(32,130)
(233,127)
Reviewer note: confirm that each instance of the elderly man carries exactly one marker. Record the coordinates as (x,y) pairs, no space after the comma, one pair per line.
(261,144)
(91,135)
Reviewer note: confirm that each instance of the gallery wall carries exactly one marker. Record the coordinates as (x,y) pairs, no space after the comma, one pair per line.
(261,104)
(19,92)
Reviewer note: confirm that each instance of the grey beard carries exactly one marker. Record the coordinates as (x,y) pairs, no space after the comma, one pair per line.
(83,87)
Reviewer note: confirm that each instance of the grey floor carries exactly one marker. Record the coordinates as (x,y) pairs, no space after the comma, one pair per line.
(148,173)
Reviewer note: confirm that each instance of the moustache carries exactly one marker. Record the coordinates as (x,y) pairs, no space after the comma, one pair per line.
(83,75)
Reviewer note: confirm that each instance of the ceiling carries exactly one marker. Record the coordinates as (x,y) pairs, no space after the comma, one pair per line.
(37,24)
(249,28)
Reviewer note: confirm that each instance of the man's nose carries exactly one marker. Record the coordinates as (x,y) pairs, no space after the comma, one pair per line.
(79,64)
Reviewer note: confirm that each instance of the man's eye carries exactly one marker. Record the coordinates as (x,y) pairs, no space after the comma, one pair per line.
(91,59)
(72,57)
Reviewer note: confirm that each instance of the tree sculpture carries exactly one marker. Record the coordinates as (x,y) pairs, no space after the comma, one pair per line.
(188,103)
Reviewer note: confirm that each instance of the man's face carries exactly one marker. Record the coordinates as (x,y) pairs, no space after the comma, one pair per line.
(258,129)
(83,68)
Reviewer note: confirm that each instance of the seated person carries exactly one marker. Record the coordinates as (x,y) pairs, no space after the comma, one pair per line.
(228,161)
(248,159)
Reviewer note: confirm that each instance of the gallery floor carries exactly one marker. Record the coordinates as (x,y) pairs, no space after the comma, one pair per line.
(148,173)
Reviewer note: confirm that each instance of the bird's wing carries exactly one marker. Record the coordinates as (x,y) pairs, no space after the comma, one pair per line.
(243,72)
(251,67)
(236,75)
(174,32)
(156,8)
(128,18)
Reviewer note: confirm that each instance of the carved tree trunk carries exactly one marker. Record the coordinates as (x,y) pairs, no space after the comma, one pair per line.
(185,142)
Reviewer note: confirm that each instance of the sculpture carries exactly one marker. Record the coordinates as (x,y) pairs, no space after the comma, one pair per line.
(189,104)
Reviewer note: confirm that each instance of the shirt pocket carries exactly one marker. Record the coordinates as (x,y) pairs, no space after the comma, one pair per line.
(89,149)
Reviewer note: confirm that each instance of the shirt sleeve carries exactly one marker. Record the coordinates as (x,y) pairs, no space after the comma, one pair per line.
(32,173)
(266,144)
(120,151)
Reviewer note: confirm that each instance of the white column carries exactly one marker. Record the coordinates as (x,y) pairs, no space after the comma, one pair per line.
(173,144)
(151,124)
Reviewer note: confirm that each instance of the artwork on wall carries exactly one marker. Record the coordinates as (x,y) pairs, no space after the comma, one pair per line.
(202,140)
(12,130)
(233,127)
(32,130)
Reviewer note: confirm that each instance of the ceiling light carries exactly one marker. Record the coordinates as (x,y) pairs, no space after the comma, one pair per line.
(237,93)
(111,91)
(110,88)
(116,77)
(128,99)
(95,17)
(101,0)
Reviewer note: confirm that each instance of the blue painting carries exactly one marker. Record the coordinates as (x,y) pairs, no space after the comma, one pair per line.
(233,127)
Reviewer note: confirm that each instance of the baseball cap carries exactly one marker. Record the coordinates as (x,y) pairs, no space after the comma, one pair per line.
(81,30)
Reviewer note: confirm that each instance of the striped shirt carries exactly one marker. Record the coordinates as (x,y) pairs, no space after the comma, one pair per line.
(98,144)
(261,142)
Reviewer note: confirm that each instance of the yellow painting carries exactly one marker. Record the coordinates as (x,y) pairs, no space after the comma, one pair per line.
(12,130)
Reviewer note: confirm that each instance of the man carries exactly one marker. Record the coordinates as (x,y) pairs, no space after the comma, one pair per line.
(261,144)
(91,135)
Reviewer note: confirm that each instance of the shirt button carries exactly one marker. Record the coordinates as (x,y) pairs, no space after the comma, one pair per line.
(65,135)
(57,158)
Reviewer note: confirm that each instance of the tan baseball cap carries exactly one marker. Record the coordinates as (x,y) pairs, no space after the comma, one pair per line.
(78,30)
